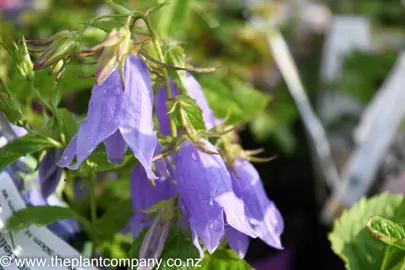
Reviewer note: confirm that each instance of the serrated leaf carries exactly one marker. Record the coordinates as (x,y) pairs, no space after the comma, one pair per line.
(179,247)
(42,216)
(224,259)
(115,219)
(221,99)
(387,231)
(192,112)
(354,243)
(175,56)
(23,146)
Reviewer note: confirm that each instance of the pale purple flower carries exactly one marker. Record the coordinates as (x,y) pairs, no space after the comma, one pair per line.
(49,172)
(144,195)
(118,117)
(237,241)
(262,213)
(205,187)
(195,91)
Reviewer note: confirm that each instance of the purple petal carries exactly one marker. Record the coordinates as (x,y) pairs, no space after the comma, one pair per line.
(197,244)
(116,148)
(195,91)
(262,213)
(135,113)
(237,241)
(111,108)
(144,196)
(161,108)
(160,164)
(49,172)
(205,187)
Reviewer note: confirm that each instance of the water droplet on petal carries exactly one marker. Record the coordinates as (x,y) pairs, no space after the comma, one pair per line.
(194,155)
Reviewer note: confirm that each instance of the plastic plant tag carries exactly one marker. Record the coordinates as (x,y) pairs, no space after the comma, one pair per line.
(35,247)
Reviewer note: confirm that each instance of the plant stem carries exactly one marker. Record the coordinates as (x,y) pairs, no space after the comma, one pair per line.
(93,206)
(156,45)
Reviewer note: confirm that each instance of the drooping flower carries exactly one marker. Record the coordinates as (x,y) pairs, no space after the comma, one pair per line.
(118,118)
(262,213)
(205,187)
(49,172)
(195,91)
(144,195)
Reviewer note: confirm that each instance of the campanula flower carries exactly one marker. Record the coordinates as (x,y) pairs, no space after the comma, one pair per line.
(262,213)
(144,195)
(194,91)
(49,172)
(118,118)
(205,187)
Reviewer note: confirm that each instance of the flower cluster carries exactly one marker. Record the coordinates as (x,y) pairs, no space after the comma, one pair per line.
(216,200)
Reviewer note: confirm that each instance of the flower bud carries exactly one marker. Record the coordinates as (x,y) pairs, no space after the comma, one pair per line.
(62,46)
(115,49)
(19,54)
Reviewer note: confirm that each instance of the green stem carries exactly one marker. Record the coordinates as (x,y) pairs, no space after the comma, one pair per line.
(93,206)
(156,45)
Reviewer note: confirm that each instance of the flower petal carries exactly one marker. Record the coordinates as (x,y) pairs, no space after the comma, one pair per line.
(205,187)
(262,212)
(195,91)
(143,196)
(49,172)
(237,241)
(116,147)
(134,112)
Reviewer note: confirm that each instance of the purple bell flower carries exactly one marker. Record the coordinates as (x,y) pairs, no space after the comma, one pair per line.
(262,213)
(205,187)
(144,195)
(49,172)
(195,91)
(118,117)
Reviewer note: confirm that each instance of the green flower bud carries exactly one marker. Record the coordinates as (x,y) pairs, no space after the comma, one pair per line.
(62,46)
(115,49)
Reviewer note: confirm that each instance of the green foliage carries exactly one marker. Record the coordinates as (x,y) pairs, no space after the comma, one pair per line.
(352,241)
(387,231)
(23,146)
(42,216)
(185,111)
(224,259)
(115,219)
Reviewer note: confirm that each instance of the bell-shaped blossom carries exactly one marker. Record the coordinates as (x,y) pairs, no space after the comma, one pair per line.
(237,241)
(118,117)
(144,195)
(49,172)
(262,213)
(195,91)
(66,228)
(205,187)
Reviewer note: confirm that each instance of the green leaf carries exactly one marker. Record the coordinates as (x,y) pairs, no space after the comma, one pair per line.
(173,17)
(394,259)
(192,113)
(107,26)
(354,243)
(387,231)
(43,216)
(175,56)
(224,259)
(179,246)
(69,123)
(22,146)
(98,160)
(221,99)
(115,218)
